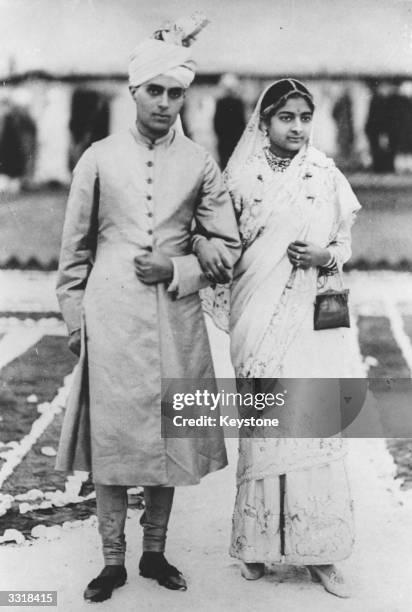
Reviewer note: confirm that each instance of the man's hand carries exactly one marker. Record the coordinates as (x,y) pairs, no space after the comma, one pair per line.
(214,260)
(75,342)
(153,268)
(307,254)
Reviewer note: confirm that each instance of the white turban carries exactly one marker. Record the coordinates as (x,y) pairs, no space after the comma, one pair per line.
(155,57)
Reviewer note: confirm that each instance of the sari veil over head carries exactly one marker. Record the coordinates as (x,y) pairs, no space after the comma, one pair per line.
(254,139)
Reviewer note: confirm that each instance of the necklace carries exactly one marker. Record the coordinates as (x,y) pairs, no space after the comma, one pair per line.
(277,163)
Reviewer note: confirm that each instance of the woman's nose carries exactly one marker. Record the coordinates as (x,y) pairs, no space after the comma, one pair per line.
(297,125)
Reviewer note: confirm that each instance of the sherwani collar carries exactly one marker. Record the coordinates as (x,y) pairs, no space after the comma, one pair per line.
(144,140)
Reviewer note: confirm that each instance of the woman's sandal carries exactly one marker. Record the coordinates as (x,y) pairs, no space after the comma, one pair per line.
(332,580)
(252,571)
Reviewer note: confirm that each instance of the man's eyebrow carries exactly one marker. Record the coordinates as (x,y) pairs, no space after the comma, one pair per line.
(163,88)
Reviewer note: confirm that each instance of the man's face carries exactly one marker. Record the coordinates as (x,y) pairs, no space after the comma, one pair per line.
(158,102)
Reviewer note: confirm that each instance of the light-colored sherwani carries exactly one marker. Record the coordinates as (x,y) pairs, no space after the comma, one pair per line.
(128,195)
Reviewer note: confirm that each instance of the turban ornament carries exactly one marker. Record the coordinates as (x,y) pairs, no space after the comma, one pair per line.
(167,52)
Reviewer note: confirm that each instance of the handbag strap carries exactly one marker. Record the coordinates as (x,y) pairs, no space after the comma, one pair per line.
(336,274)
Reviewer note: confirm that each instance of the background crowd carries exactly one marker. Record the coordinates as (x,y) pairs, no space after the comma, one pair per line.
(369,122)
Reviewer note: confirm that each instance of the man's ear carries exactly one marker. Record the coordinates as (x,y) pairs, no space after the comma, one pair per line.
(133,90)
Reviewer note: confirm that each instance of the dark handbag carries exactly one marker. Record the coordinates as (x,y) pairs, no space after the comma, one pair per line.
(331,308)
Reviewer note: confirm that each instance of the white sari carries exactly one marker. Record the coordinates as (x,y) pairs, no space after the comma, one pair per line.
(270,320)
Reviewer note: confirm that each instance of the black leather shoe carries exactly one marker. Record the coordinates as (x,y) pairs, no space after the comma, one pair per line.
(154,565)
(101,588)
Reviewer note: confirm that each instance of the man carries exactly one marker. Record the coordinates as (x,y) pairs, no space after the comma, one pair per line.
(229,120)
(128,287)
(379,128)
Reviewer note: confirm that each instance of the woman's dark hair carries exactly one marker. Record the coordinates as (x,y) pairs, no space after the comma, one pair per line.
(278,94)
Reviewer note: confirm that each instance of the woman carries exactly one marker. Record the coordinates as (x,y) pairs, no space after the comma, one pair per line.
(295,210)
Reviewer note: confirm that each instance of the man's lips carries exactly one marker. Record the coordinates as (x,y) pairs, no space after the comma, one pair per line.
(160,116)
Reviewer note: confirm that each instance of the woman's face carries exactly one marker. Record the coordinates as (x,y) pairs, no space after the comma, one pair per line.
(289,128)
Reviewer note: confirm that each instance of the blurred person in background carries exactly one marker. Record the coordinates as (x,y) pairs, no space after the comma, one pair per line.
(295,210)
(89,122)
(18,137)
(141,204)
(342,113)
(382,127)
(403,153)
(229,118)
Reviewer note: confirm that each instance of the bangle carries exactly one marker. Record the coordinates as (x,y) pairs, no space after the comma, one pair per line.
(331,264)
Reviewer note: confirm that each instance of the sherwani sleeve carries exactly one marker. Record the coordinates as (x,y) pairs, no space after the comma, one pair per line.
(214,218)
(78,241)
(348,206)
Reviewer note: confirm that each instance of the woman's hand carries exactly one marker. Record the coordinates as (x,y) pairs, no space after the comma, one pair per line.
(214,260)
(307,255)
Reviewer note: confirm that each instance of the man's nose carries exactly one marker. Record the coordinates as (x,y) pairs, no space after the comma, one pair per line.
(164,100)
